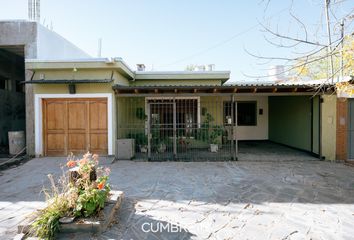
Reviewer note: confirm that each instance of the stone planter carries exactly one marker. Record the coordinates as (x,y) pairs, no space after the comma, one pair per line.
(92,224)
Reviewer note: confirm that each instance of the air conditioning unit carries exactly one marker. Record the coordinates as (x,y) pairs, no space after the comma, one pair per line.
(125,149)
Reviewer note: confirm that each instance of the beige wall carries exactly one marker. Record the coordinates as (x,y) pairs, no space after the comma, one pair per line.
(214,106)
(127,121)
(329,122)
(82,89)
(259,132)
(86,74)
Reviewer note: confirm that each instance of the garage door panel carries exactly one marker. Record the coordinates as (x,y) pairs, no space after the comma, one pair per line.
(55,115)
(77,141)
(55,142)
(98,115)
(77,117)
(98,143)
(75,125)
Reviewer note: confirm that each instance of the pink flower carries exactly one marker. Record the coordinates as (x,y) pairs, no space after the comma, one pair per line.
(107,170)
(83,161)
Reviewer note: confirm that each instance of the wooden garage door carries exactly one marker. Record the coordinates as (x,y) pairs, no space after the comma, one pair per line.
(74,125)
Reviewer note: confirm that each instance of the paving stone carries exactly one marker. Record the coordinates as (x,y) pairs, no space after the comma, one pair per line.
(247,200)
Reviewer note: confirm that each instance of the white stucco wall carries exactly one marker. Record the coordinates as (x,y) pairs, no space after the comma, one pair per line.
(260,131)
(51,45)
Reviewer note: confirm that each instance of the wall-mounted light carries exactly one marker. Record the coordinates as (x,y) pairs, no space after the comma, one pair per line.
(72,88)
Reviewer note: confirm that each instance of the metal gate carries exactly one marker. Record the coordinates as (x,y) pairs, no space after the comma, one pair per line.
(179,128)
(162,130)
(351,129)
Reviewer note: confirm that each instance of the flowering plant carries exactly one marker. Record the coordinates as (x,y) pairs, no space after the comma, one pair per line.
(90,182)
(83,195)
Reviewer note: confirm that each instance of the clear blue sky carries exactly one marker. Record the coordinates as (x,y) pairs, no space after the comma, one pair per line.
(171,34)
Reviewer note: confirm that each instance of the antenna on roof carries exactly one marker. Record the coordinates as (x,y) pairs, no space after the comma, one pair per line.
(34,10)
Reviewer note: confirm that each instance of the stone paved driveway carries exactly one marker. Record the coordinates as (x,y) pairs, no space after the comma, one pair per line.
(205,200)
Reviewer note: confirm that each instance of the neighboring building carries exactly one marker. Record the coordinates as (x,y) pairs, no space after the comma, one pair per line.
(345,125)
(20,40)
(86,105)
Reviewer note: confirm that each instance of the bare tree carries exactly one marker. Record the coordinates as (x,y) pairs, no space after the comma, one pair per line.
(327,56)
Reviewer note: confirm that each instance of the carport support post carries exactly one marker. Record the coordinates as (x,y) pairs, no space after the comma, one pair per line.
(234,148)
(174,129)
(149,131)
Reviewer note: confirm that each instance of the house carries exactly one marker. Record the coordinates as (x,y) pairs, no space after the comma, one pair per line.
(20,40)
(87,104)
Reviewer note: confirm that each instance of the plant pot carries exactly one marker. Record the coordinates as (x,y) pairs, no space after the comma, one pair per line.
(143,149)
(162,148)
(214,147)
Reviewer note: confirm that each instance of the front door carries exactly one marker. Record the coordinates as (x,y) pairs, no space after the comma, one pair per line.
(351,129)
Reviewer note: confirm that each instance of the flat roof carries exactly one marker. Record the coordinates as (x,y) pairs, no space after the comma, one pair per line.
(119,64)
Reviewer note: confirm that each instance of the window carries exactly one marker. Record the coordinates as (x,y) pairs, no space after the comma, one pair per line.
(246,113)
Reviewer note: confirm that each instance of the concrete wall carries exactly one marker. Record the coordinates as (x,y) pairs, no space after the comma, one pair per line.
(38,42)
(51,45)
(329,112)
(290,121)
(20,33)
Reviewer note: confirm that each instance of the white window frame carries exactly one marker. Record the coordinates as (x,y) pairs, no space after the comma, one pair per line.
(38,111)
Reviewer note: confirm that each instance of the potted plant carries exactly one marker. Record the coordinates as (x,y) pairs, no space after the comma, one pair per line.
(211,132)
(214,135)
(162,146)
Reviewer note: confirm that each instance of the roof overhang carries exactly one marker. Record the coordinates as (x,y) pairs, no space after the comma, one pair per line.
(90,63)
(230,89)
(73,81)
(183,75)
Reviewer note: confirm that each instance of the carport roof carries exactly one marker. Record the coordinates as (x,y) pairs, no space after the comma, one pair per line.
(225,89)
